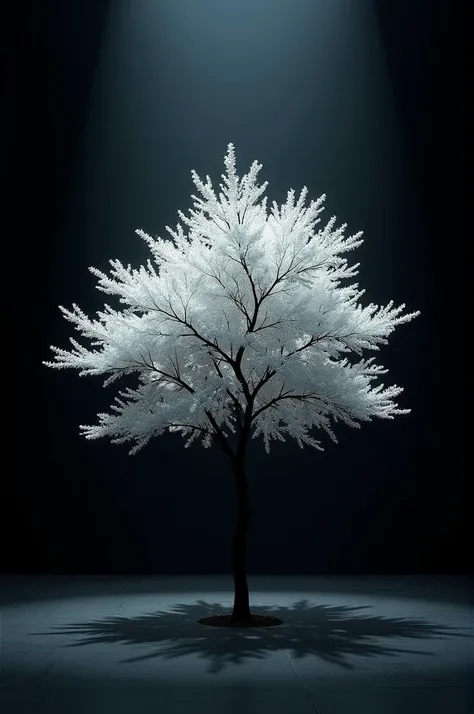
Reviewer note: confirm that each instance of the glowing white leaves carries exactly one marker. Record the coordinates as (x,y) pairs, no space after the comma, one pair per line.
(241,312)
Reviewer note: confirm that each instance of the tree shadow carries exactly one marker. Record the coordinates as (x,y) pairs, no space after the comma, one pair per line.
(334,633)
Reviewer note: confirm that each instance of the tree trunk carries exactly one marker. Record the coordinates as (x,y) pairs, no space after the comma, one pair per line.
(241,611)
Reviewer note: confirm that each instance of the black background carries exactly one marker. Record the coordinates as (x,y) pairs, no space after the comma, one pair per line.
(388,498)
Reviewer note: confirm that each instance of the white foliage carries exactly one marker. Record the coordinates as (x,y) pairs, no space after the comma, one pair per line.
(241,321)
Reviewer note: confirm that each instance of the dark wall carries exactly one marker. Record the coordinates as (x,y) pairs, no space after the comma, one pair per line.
(389,497)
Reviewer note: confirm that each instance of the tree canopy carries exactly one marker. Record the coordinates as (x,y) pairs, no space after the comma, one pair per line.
(246,320)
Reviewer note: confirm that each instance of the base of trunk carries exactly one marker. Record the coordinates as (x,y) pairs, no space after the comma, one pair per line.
(228,621)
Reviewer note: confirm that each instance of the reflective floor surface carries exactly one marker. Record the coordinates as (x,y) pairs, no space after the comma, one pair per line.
(132,645)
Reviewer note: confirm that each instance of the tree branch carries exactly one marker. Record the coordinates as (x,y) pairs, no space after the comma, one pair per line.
(174,378)
(219,435)
(269,373)
(272,402)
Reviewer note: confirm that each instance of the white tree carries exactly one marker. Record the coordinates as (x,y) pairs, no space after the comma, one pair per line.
(242,324)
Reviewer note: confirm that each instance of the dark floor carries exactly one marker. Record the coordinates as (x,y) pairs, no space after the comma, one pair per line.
(348,645)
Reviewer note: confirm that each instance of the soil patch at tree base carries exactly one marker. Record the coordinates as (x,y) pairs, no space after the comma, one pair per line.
(227,621)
